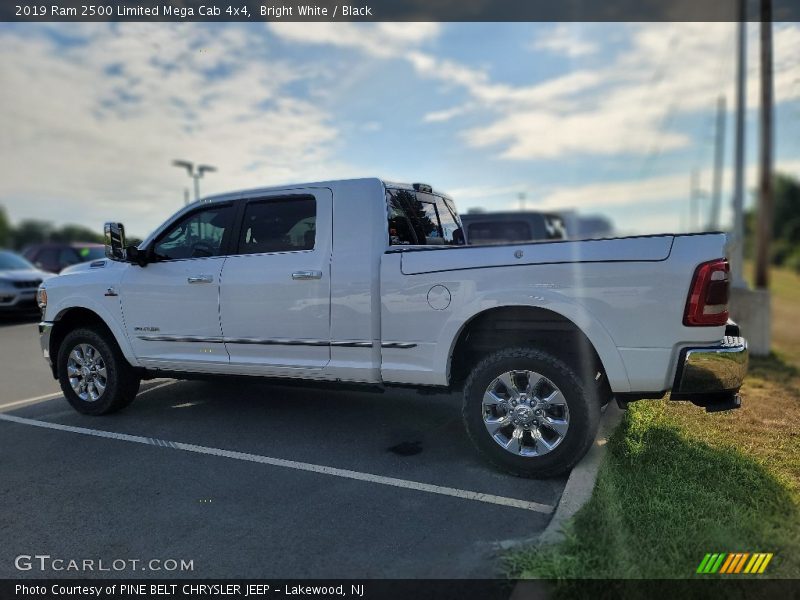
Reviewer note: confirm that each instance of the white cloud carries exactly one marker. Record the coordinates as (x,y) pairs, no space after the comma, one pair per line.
(627,106)
(383,40)
(653,189)
(619,197)
(565,40)
(440,116)
(89,130)
(623,106)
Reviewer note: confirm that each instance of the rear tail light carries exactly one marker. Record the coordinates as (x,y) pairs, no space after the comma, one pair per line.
(708,297)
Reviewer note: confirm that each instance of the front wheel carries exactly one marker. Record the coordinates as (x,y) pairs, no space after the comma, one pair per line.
(94,375)
(529,413)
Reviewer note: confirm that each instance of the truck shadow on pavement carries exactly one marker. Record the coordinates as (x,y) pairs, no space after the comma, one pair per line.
(360,430)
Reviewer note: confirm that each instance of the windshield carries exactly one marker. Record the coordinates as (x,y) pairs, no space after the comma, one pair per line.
(87,253)
(13,262)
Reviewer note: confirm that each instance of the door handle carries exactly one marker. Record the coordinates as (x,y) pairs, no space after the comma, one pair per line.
(302,275)
(200,279)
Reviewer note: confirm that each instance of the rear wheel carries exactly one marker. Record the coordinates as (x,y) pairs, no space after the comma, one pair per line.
(94,375)
(529,413)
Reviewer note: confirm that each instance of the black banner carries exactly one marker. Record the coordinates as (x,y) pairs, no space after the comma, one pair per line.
(386,589)
(392,10)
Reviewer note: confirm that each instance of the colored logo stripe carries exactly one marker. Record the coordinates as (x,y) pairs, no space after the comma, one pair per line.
(733,563)
(727,564)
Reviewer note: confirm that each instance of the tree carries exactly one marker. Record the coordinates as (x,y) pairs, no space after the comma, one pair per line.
(785,223)
(75,233)
(5,229)
(31,231)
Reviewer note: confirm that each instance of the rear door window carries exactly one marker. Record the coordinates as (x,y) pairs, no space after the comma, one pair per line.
(279,225)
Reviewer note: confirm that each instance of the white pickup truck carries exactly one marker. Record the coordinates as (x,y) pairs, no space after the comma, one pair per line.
(369,282)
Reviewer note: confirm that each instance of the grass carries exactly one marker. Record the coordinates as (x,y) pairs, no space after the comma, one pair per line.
(785,286)
(678,482)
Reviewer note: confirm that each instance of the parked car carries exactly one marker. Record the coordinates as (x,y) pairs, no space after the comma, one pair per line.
(19,281)
(365,281)
(56,256)
(510,227)
(584,227)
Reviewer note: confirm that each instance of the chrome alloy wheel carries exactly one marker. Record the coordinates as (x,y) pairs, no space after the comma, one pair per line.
(525,413)
(86,370)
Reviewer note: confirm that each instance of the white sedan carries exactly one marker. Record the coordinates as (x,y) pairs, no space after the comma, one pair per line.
(19,281)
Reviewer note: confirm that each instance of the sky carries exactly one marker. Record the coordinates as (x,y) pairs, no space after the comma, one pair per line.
(602,118)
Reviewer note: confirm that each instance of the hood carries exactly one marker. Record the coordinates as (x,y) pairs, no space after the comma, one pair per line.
(24,275)
(100,263)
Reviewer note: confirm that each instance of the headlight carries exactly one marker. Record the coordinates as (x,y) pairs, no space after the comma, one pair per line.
(41,298)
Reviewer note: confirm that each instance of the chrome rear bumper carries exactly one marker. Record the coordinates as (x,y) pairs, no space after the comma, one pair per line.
(711,376)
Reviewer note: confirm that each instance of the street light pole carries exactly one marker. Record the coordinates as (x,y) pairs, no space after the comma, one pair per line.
(719,144)
(194,173)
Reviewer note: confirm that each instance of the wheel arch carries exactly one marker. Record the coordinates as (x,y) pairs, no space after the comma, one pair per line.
(73,317)
(524,325)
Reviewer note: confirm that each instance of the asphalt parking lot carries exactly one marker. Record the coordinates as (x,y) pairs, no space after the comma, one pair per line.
(249,479)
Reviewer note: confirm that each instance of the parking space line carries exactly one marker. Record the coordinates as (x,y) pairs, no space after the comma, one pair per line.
(55,395)
(157,387)
(291,464)
(52,396)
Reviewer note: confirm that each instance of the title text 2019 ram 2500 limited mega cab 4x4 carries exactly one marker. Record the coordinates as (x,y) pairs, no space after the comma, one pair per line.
(368,281)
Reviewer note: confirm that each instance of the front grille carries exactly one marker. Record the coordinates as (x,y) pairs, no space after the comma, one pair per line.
(26,285)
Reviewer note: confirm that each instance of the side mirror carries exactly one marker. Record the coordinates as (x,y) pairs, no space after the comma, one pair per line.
(136,256)
(114,234)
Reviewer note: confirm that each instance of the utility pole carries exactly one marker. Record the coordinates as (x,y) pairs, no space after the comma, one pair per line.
(521,197)
(737,234)
(764,231)
(751,308)
(719,146)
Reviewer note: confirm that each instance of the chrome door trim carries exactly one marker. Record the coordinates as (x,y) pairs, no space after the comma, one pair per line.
(275,342)
(272,342)
(182,338)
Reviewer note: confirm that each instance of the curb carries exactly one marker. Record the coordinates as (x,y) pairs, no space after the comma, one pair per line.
(580,483)
(578,488)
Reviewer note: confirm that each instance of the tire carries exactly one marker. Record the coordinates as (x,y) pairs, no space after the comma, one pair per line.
(540,451)
(95,348)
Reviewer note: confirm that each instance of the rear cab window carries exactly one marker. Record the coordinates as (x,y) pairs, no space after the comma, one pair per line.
(422,219)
